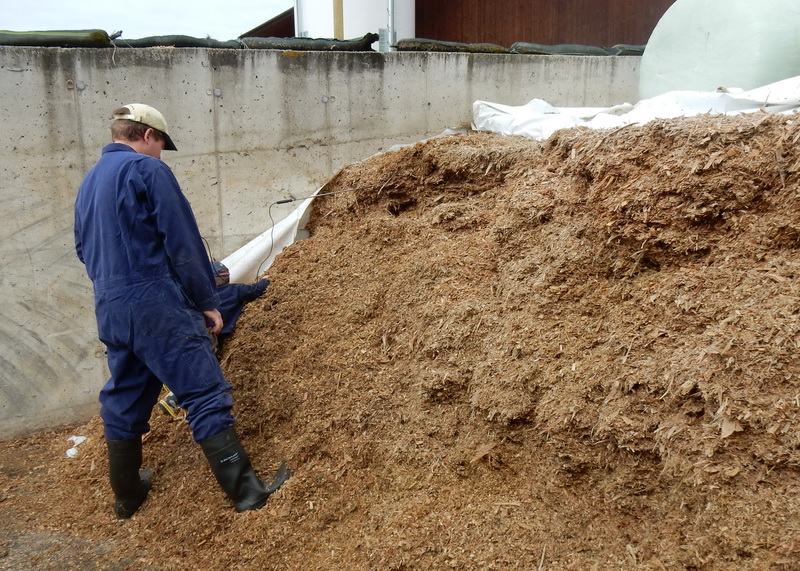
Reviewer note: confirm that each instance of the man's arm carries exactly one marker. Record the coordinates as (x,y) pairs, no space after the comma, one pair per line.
(183,244)
(78,243)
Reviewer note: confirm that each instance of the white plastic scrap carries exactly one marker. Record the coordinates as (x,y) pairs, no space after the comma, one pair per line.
(76,441)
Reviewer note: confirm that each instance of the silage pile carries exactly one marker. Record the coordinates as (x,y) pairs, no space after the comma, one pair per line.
(501,353)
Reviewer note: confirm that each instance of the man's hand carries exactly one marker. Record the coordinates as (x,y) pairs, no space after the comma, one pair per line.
(261,286)
(214,320)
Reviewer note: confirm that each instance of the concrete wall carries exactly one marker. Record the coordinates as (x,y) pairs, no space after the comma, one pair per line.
(251,127)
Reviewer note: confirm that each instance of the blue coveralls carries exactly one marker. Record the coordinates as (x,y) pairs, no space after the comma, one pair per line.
(137,235)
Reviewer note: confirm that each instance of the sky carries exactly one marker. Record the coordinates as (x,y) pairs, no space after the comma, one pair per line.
(218,19)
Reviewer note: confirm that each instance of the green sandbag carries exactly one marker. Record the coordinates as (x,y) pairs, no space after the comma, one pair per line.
(312,44)
(57,38)
(425,45)
(557,49)
(625,50)
(175,41)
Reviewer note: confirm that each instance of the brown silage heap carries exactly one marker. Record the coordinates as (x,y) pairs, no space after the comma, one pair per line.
(500,354)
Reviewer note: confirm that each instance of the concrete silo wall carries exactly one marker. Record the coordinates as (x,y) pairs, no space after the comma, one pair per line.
(252,127)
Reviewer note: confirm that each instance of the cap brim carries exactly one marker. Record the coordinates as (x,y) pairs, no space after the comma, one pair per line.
(168,144)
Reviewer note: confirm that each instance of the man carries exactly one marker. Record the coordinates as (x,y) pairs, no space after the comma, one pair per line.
(155,302)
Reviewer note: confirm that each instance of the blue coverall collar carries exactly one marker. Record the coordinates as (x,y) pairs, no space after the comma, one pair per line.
(111,147)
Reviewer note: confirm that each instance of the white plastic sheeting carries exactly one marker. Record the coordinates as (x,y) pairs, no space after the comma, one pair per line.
(538,119)
(705,44)
(252,259)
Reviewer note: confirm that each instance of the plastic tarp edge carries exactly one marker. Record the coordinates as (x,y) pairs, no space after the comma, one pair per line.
(257,255)
(538,119)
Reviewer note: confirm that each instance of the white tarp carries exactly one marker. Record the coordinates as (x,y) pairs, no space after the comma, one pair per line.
(252,259)
(538,119)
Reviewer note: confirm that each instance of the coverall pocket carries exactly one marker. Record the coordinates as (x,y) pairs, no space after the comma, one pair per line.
(156,318)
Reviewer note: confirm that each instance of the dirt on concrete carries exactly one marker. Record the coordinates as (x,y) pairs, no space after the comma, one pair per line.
(499,353)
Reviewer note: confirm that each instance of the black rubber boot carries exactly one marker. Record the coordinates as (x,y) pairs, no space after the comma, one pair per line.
(130,485)
(231,467)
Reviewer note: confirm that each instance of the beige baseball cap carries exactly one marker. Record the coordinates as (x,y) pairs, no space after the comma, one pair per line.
(151,117)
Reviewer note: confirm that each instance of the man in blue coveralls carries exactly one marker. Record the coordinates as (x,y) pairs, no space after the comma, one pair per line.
(156,303)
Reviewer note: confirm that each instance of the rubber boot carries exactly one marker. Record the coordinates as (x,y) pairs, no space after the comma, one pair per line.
(130,485)
(231,467)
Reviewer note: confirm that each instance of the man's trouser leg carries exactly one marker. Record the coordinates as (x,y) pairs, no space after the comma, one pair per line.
(127,401)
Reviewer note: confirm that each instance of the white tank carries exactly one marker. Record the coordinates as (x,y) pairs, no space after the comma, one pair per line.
(392,19)
(703,45)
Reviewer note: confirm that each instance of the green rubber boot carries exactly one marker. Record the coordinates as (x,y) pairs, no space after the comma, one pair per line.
(231,467)
(130,485)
